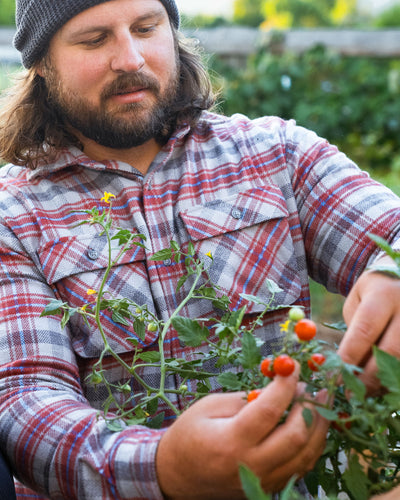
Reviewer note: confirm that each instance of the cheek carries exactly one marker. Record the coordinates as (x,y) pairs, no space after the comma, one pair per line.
(83,76)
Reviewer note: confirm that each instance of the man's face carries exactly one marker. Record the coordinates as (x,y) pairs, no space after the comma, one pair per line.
(112,72)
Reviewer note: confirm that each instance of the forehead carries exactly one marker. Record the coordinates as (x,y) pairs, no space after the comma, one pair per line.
(114,13)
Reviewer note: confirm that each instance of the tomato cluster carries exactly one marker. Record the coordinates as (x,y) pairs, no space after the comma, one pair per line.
(283,364)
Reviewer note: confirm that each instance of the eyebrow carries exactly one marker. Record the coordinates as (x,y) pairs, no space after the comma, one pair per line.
(156,14)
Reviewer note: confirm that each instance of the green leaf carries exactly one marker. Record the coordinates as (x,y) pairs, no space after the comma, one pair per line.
(150,356)
(229,381)
(123,236)
(251,355)
(253,298)
(190,248)
(164,254)
(384,245)
(326,413)
(251,484)
(308,416)
(388,370)
(354,384)
(152,406)
(156,422)
(356,480)
(114,425)
(117,317)
(53,307)
(272,286)
(139,328)
(68,313)
(340,326)
(189,331)
(181,282)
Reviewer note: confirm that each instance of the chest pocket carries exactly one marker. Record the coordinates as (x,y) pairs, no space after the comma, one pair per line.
(248,236)
(75,264)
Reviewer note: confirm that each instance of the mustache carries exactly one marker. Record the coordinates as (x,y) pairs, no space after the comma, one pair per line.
(123,83)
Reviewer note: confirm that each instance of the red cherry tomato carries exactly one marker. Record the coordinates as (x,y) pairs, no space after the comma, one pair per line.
(316,360)
(266,368)
(338,425)
(284,365)
(305,329)
(252,395)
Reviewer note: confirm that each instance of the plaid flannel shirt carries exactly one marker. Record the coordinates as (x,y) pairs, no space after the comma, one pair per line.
(267,198)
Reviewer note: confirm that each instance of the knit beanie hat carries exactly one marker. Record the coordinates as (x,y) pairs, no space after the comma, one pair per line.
(38,20)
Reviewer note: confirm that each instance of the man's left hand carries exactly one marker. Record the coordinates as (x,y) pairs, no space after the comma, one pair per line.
(372,314)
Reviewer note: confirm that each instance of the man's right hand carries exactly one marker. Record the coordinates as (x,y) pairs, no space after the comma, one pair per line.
(199,455)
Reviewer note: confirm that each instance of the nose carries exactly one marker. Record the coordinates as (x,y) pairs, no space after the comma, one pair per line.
(127,55)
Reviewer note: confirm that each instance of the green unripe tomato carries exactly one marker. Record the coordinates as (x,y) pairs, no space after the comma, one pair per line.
(152,326)
(296,314)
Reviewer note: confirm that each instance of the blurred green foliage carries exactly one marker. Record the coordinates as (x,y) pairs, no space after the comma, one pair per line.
(7,12)
(354,102)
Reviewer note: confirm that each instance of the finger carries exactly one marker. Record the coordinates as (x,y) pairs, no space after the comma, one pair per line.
(367,324)
(257,419)
(287,443)
(388,343)
(219,405)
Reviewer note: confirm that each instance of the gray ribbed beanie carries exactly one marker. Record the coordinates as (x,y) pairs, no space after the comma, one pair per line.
(38,20)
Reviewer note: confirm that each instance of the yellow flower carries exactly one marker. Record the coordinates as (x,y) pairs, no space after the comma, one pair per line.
(209,254)
(107,197)
(91,292)
(285,326)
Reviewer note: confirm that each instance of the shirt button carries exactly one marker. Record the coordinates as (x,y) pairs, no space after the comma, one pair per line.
(167,262)
(236,213)
(92,254)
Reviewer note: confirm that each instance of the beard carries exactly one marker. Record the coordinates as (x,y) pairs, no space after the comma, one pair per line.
(126,125)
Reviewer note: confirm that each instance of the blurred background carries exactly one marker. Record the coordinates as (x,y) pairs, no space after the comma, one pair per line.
(332,65)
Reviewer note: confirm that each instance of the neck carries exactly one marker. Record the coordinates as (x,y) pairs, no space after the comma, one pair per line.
(139,157)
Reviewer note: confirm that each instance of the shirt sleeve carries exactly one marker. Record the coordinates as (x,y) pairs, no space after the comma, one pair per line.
(339,205)
(54,440)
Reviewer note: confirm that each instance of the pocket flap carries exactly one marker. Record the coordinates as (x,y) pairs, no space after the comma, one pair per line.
(234,213)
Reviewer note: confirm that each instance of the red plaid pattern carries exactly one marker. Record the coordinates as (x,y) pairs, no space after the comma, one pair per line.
(268,199)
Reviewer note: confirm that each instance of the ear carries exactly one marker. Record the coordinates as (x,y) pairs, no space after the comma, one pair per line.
(38,67)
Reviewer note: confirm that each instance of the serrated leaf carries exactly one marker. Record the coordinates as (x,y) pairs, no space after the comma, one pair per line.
(189,331)
(53,307)
(326,413)
(150,356)
(229,381)
(356,480)
(114,425)
(68,313)
(157,421)
(385,246)
(340,326)
(252,298)
(152,406)
(190,248)
(354,384)
(164,254)
(181,282)
(139,328)
(123,236)
(251,484)
(388,370)
(307,416)
(250,355)
(119,318)
(272,286)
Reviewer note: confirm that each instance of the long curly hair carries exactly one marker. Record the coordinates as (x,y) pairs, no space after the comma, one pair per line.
(32,132)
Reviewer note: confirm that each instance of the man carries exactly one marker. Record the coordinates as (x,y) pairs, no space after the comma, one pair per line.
(115,100)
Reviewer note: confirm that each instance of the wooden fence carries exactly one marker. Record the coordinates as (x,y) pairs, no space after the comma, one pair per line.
(236,43)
